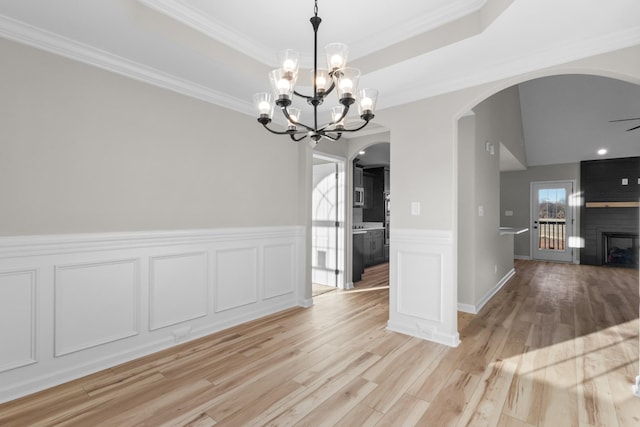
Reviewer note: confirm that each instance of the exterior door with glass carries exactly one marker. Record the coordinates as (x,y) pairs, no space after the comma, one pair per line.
(552,221)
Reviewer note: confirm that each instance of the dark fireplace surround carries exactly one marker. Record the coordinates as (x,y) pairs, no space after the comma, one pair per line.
(609,215)
(618,249)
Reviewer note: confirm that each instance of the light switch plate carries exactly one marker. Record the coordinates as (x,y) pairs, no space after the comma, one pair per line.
(415,208)
(508,213)
(625,181)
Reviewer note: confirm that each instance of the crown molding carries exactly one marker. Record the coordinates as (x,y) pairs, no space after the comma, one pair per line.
(217,30)
(527,62)
(418,25)
(197,20)
(21,32)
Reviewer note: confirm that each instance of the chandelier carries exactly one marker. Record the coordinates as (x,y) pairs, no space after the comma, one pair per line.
(336,76)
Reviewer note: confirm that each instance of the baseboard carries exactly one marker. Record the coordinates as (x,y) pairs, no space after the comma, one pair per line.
(425,333)
(467,308)
(475,309)
(522,257)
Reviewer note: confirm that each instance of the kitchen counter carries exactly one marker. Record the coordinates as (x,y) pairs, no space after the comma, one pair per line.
(512,230)
(361,228)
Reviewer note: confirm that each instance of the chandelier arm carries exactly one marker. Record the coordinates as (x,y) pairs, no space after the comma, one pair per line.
(298,139)
(344,114)
(324,134)
(351,130)
(275,131)
(286,114)
(285,132)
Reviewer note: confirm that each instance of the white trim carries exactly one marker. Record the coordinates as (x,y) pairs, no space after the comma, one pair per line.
(475,309)
(40,245)
(636,387)
(425,332)
(467,308)
(54,43)
(523,257)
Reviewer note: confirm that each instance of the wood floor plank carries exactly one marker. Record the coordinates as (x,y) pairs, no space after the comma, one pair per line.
(524,399)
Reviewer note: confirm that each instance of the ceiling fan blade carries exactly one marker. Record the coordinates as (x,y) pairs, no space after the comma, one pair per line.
(637,127)
(624,120)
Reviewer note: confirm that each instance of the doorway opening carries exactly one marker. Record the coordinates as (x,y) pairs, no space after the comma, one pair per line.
(371,216)
(327,222)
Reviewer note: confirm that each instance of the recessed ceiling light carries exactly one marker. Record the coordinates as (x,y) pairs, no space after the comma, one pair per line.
(362,152)
(602,151)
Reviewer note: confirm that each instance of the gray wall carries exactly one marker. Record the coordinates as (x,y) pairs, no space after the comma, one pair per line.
(85,150)
(515,196)
(484,256)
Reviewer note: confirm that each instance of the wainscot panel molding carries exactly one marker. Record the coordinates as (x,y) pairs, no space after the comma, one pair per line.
(71,305)
(422,298)
(94,304)
(18,314)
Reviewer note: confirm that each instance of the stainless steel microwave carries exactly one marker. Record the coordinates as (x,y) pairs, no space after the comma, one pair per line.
(358,196)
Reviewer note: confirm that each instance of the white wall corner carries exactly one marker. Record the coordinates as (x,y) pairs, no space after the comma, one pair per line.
(305,302)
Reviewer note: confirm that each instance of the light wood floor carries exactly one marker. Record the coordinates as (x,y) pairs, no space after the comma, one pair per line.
(558,346)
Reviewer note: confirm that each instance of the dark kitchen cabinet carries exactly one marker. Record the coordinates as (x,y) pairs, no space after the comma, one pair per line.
(373,247)
(358,179)
(369,195)
(358,256)
(374,195)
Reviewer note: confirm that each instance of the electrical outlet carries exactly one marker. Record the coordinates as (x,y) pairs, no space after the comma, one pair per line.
(181,334)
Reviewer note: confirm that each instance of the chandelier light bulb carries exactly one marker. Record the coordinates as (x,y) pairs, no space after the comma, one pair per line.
(336,54)
(264,107)
(289,65)
(346,85)
(294,118)
(283,86)
(336,61)
(367,102)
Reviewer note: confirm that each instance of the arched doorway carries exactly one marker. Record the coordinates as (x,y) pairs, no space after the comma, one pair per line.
(537,131)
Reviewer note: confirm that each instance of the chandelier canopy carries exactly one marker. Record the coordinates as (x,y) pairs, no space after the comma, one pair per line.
(336,76)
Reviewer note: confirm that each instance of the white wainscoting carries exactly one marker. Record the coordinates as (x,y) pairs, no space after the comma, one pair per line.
(71,305)
(423,294)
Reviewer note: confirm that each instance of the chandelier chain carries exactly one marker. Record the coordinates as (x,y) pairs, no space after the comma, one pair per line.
(315,9)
